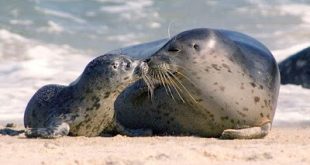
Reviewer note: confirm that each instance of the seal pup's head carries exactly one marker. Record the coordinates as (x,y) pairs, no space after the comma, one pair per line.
(112,71)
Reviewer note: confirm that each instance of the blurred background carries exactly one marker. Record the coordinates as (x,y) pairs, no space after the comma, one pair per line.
(51,41)
(101,25)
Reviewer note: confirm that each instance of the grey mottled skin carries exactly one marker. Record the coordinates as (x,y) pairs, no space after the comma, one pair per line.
(296,69)
(233,78)
(86,106)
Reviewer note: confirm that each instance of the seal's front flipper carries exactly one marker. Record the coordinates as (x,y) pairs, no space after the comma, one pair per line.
(132,132)
(51,132)
(247,133)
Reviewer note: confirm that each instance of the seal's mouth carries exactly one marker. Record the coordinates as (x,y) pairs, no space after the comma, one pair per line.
(167,75)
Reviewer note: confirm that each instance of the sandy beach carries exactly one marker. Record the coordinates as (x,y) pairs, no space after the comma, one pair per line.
(284,145)
(51,42)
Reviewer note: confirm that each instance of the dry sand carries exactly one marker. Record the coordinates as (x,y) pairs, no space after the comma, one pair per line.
(284,145)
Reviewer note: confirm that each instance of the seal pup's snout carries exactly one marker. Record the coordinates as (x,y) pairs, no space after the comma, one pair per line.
(141,68)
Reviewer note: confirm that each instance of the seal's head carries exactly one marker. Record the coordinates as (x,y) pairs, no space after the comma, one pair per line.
(112,70)
(173,63)
(183,48)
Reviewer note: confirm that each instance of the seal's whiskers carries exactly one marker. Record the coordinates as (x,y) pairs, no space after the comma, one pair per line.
(181,74)
(178,80)
(166,86)
(149,84)
(165,76)
(175,86)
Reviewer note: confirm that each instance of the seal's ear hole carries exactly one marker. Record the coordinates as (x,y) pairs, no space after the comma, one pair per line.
(196,46)
(173,49)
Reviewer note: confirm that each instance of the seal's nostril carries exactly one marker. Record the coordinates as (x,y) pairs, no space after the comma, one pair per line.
(147,60)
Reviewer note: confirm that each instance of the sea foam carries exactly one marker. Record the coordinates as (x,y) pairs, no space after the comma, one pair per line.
(38,64)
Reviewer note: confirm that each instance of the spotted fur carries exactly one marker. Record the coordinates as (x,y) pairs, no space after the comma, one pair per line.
(86,106)
(218,84)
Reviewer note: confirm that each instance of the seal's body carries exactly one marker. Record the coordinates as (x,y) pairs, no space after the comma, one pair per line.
(204,82)
(85,107)
(296,69)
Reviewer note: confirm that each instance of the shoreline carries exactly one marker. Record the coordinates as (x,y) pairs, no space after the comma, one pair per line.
(284,145)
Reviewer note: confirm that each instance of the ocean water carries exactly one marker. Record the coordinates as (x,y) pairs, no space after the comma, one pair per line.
(51,41)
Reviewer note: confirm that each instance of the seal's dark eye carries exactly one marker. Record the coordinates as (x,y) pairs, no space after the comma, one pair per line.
(173,49)
(196,46)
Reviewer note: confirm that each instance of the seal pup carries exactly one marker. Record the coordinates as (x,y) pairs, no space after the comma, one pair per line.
(86,106)
(205,82)
(296,69)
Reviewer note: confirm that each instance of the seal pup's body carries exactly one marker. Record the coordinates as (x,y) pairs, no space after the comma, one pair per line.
(86,106)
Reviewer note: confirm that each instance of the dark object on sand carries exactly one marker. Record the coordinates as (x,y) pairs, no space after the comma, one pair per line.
(10,125)
(296,69)
(10,131)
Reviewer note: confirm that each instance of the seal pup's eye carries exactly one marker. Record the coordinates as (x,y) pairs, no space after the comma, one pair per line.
(173,50)
(196,46)
(126,65)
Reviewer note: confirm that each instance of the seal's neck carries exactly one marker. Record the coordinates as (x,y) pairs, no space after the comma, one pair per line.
(93,87)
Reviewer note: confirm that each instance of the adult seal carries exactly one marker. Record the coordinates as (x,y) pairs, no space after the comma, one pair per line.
(203,82)
(296,69)
(86,106)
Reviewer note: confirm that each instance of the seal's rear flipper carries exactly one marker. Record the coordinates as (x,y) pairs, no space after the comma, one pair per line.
(48,133)
(247,133)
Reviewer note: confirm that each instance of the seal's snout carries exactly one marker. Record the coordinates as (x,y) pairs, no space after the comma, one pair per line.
(153,61)
(147,60)
(141,69)
(157,60)
(150,62)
